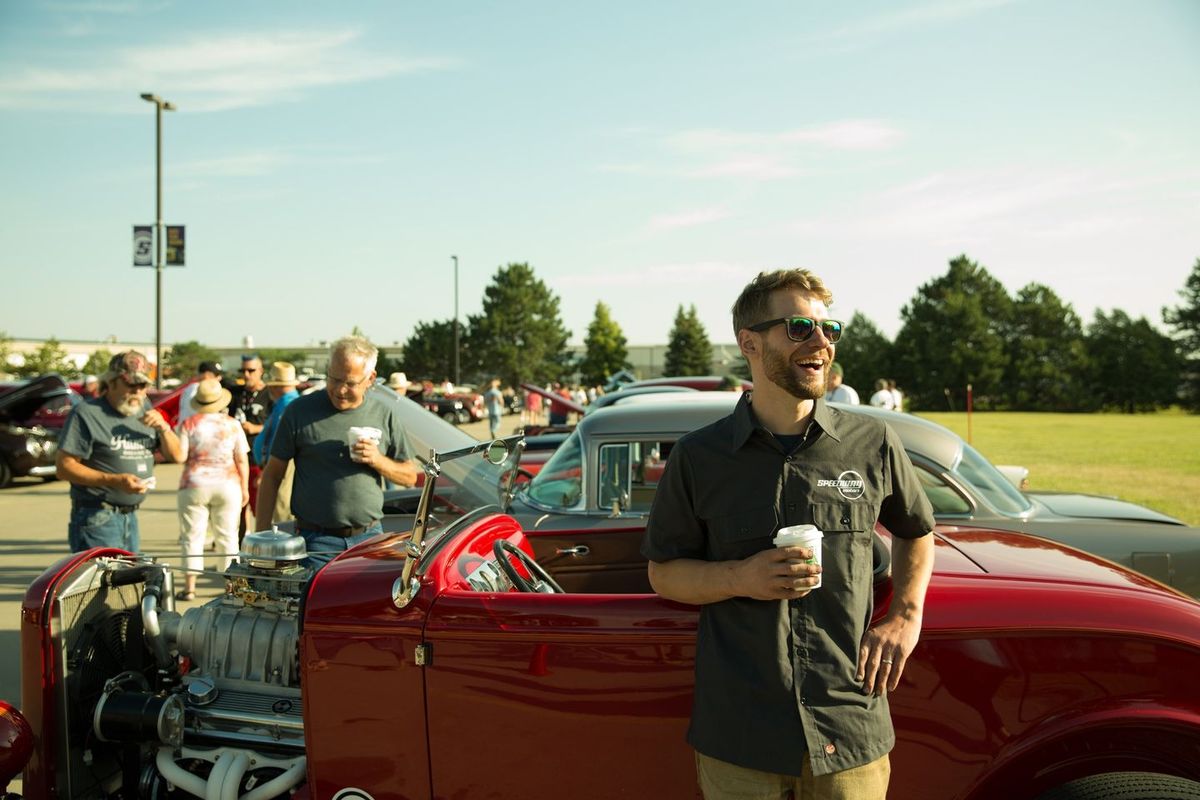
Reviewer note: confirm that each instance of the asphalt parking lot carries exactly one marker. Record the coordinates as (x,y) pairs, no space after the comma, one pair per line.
(33,535)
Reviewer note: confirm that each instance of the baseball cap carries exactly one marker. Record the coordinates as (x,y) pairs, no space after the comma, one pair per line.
(131,366)
(211,366)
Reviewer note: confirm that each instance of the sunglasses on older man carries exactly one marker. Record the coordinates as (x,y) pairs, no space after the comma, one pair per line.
(800,329)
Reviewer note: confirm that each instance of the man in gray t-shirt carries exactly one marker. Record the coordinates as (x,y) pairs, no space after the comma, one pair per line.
(106,452)
(337,497)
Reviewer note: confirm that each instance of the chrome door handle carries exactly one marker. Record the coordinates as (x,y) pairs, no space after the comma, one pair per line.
(578,550)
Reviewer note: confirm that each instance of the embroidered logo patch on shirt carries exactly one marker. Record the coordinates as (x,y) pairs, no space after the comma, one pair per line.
(849,484)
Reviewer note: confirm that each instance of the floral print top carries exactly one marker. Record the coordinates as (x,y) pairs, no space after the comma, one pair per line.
(211,442)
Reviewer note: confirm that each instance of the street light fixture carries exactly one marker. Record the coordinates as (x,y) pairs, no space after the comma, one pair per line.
(160,106)
(457,377)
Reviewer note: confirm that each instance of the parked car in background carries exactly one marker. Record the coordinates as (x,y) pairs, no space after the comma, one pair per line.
(609,467)
(461,639)
(32,413)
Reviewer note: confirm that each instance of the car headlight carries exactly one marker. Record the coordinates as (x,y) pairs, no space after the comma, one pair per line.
(34,447)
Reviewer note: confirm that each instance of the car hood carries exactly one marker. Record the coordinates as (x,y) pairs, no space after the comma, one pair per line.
(23,402)
(1006,554)
(1092,506)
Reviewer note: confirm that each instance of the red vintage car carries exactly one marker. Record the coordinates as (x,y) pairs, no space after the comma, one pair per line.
(443,659)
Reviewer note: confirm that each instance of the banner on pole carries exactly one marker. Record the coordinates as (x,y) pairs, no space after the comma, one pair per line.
(175,246)
(143,246)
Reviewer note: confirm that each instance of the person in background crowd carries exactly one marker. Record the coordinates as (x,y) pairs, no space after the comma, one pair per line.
(447,386)
(337,497)
(281,383)
(214,485)
(91,386)
(897,397)
(883,396)
(533,408)
(791,685)
(251,406)
(398,382)
(205,369)
(106,452)
(558,411)
(840,392)
(493,401)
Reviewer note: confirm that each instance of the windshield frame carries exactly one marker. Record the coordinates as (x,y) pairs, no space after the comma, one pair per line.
(989,484)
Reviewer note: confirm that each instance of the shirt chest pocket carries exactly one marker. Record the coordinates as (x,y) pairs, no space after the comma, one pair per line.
(742,533)
(846,555)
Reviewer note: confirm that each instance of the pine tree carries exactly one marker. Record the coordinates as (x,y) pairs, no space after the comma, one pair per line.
(519,336)
(688,350)
(1185,320)
(605,348)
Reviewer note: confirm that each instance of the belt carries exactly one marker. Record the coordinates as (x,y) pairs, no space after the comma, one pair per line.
(105,504)
(350,530)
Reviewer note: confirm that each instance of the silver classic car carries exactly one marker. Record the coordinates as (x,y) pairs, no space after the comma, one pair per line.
(609,466)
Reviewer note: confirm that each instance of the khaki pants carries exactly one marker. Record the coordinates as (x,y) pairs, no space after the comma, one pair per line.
(283,500)
(720,780)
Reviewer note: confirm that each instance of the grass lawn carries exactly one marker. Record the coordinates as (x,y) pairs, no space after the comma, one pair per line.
(1150,459)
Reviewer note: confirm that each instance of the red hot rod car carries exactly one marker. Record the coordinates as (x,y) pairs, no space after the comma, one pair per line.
(442,660)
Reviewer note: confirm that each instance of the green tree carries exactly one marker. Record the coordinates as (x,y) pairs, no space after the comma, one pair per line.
(865,355)
(519,336)
(953,334)
(48,357)
(5,350)
(688,350)
(183,358)
(606,348)
(1133,367)
(1185,320)
(270,355)
(1047,361)
(97,363)
(429,351)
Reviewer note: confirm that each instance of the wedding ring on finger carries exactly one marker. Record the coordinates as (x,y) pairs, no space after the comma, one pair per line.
(886,661)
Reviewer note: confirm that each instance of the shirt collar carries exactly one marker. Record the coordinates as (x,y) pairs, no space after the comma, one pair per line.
(744,421)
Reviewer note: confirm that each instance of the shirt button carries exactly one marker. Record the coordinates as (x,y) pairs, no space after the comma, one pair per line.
(788,459)
(830,749)
(845,520)
(791,506)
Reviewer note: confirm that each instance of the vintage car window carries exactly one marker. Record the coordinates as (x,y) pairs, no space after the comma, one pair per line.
(944,498)
(559,483)
(613,475)
(629,473)
(990,482)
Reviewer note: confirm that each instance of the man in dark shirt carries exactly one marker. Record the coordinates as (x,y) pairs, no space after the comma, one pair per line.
(790,695)
(251,407)
(106,453)
(342,441)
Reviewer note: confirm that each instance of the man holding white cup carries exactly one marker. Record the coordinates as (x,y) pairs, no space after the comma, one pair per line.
(342,440)
(790,692)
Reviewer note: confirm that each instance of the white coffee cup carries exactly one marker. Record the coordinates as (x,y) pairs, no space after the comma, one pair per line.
(808,536)
(358,433)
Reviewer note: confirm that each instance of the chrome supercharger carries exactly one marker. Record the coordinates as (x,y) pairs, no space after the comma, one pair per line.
(157,703)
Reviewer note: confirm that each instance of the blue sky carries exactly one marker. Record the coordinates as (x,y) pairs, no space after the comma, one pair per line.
(328,159)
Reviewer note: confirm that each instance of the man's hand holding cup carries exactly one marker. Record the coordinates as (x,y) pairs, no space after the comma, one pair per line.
(364,445)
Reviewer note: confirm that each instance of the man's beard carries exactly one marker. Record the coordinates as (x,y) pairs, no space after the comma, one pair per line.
(781,373)
(130,407)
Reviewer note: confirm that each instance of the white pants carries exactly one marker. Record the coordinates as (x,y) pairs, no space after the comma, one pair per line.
(220,503)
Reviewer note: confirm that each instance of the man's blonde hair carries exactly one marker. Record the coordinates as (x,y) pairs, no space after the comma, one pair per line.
(358,346)
(754,303)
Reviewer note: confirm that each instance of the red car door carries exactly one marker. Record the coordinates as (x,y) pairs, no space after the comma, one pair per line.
(553,696)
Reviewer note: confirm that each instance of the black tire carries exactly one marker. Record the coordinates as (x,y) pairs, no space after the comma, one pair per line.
(1126,786)
(450,417)
(5,474)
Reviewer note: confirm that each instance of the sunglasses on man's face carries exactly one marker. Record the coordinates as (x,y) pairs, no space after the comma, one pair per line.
(800,329)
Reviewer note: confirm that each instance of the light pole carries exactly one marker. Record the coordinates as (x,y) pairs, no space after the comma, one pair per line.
(457,377)
(160,106)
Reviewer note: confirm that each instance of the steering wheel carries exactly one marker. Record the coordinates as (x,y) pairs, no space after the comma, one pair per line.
(542,582)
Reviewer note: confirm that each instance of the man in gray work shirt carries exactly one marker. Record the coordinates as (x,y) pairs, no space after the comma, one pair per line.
(790,697)
(337,497)
(106,452)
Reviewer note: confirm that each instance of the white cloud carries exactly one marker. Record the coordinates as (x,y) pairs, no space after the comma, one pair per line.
(210,72)
(688,219)
(854,134)
(866,31)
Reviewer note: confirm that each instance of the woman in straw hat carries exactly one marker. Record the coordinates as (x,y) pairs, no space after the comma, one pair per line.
(214,486)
